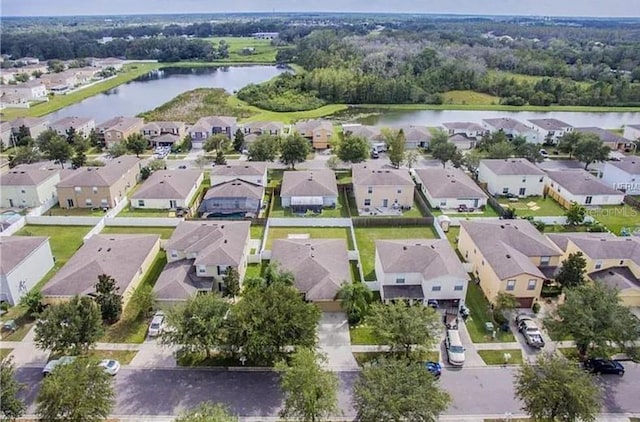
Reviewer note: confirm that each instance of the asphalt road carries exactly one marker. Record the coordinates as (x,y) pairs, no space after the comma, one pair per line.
(475,391)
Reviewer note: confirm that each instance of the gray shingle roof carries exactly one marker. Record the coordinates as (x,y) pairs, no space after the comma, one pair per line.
(448,183)
(601,246)
(562,239)
(618,277)
(72,121)
(119,255)
(364,175)
(605,135)
(507,123)
(101,176)
(208,122)
(630,165)
(311,125)
(512,167)
(508,245)
(15,249)
(121,123)
(168,184)
(369,132)
(248,168)
(27,122)
(23,176)
(319,266)
(429,257)
(309,183)
(581,182)
(264,126)
(236,188)
(464,126)
(416,133)
(550,124)
(179,281)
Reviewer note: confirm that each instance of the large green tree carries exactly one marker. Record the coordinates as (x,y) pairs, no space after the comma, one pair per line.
(355,300)
(310,391)
(530,151)
(353,148)
(294,150)
(216,142)
(265,148)
(232,282)
(25,154)
(117,149)
(572,271)
(238,140)
(10,405)
(444,152)
(439,137)
(207,412)
(575,214)
(54,147)
(80,148)
(402,326)
(136,143)
(108,298)
(199,325)
(553,390)
(500,150)
(72,326)
(567,142)
(397,390)
(594,317)
(590,149)
(80,391)
(396,144)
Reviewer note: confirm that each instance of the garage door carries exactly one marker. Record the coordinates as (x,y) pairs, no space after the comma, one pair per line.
(525,302)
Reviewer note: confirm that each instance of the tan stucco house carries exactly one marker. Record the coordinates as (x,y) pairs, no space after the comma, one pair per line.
(319,132)
(381,188)
(118,129)
(168,189)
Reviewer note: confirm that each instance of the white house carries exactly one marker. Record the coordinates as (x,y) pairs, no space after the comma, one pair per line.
(467,129)
(517,176)
(577,185)
(632,132)
(24,260)
(419,270)
(250,171)
(623,175)
(449,188)
(168,189)
(513,128)
(82,125)
(416,136)
(30,90)
(25,187)
(551,129)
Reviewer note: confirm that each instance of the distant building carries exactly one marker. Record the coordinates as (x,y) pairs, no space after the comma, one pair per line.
(513,128)
(82,125)
(632,132)
(265,35)
(551,129)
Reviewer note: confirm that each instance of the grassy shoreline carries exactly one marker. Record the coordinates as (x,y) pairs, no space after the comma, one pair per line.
(498,107)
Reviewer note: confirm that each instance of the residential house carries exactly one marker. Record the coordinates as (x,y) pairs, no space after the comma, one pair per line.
(513,128)
(551,130)
(85,74)
(449,188)
(509,256)
(211,247)
(419,271)
(462,142)
(59,83)
(5,134)
(623,175)
(233,198)
(632,132)
(154,129)
(82,125)
(118,129)
(610,139)
(250,171)
(259,128)
(125,257)
(416,137)
(469,130)
(515,176)
(34,125)
(614,261)
(39,68)
(104,187)
(250,139)
(165,140)
(25,61)
(117,64)
(168,189)
(9,75)
(381,188)
(319,132)
(10,99)
(304,191)
(372,134)
(24,261)
(211,125)
(319,267)
(578,185)
(28,91)
(27,187)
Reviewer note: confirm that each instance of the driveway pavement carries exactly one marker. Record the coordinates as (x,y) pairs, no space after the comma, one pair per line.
(334,341)
(471,356)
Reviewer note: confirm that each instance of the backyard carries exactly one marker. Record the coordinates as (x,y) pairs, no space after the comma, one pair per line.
(339,211)
(480,314)
(533,206)
(616,217)
(366,237)
(164,232)
(144,213)
(313,232)
(56,211)
(64,240)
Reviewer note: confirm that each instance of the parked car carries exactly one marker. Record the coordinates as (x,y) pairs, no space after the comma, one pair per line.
(464,208)
(604,366)
(52,364)
(110,366)
(530,331)
(374,154)
(455,350)
(157,324)
(434,368)
(182,167)
(544,153)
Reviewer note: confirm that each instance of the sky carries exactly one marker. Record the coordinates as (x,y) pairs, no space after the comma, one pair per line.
(596,8)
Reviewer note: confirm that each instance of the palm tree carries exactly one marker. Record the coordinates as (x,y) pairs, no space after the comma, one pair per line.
(355,298)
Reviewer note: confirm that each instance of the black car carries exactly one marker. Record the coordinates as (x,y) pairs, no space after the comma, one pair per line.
(604,366)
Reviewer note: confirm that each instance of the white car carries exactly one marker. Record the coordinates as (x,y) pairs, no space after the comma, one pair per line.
(110,366)
(52,364)
(157,324)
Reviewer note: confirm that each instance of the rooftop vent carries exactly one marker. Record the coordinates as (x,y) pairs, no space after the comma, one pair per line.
(502,226)
(433,247)
(99,249)
(225,241)
(108,249)
(508,256)
(404,248)
(611,273)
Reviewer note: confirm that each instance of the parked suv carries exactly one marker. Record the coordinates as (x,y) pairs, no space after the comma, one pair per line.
(52,364)
(604,366)
(529,331)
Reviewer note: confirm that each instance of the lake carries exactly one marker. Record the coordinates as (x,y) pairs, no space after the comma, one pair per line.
(386,117)
(158,87)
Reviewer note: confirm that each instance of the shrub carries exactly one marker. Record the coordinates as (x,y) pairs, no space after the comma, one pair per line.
(536,308)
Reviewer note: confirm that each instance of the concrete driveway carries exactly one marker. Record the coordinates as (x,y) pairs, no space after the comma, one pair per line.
(334,341)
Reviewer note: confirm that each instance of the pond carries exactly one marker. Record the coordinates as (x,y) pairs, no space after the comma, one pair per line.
(158,87)
(389,117)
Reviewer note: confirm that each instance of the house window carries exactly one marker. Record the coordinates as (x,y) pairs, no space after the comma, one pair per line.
(202,269)
(524,179)
(141,202)
(443,203)
(370,189)
(544,260)
(436,288)
(78,189)
(222,269)
(458,287)
(551,184)
(400,280)
(542,180)
(531,285)
(505,190)
(367,202)
(95,189)
(511,285)
(598,265)
(399,190)
(88,202)
(588,199)
(174,254)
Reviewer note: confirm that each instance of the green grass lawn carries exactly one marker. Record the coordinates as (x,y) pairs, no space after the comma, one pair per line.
(362,335)
(253,271)
(452,236)
(64,240)
(143,213)
(366,237)
(164,232)
(479,307)
(56,211)
(487,212)
(257,231)
(547,206)
(366,357)
(4,353)
(313,232)
(123,356)
(564,229)
(496,357)
(355,274)
(469,97)
(339,211)
(263,52)
(615,217)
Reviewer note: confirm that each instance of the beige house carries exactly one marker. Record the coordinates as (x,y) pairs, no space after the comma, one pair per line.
(28,91)
(168,189)
(319,266)
(104,187)
(509,256)
(82,125)
(154,129)
(250,171)
(381,188)
(34,125)
(615,261)
(209,247)
(27,187)
(260,128)
(610,139)
(309,190)
(577,185)
(118,129)
(319,132)
(125,257)
(59,82)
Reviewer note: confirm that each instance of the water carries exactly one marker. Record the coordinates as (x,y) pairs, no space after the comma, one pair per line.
(158,87)
(385,117)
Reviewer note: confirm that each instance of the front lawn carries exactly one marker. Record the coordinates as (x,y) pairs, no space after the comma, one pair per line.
(362,334)
(616,217)
(123,356)
(313,232)
(480,313)
(4,353)
(164,232)
(366,237)
(496,357)
(277,211)
(534,206)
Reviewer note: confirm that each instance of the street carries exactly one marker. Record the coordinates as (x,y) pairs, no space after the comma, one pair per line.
(475,391)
